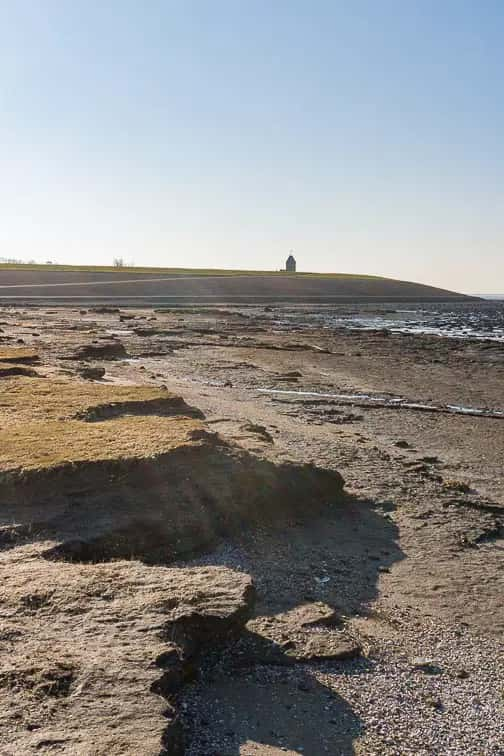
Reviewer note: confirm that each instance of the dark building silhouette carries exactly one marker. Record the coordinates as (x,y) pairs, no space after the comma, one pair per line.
(290,265)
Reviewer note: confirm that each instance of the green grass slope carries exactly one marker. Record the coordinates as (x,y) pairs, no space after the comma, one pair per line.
(174,271)
(32,280)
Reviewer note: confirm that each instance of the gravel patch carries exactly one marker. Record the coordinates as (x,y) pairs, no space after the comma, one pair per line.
(422,688)
(453,705)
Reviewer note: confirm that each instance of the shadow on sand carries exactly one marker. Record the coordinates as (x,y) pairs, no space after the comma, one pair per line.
(272,707)
(271,711)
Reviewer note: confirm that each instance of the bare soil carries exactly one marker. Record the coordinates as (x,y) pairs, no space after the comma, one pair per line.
(349,587)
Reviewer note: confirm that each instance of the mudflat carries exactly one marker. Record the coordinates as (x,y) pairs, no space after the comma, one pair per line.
(282,534)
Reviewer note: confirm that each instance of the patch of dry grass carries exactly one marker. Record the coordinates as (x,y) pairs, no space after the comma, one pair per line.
(22,401)
(23,354)
(50,444)
(39,425)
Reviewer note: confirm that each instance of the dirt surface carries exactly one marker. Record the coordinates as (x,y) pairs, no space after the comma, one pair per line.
(378,621)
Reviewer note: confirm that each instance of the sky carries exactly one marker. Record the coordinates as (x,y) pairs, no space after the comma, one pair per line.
(366,136)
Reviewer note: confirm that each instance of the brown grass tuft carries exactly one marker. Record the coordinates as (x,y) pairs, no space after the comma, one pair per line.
(45,423)
(20,354)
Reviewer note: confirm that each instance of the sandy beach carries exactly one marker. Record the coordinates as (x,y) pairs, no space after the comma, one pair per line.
(403,575)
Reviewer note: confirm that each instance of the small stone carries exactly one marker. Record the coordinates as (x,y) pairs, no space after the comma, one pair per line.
(425,665)
(434,701)
(304,686)
(92,373)
(462,674)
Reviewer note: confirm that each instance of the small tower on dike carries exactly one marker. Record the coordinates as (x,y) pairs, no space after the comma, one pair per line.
(290,265)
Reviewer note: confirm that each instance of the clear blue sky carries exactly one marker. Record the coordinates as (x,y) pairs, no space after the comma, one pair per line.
(365,135)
